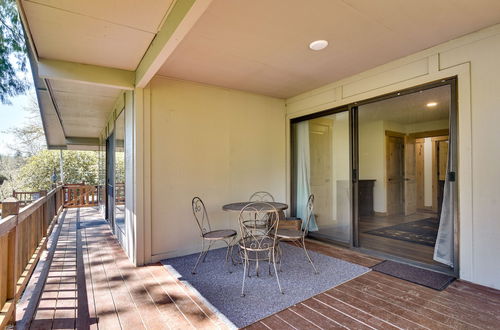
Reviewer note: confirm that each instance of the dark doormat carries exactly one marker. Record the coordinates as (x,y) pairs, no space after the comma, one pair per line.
(428,278)
(422,232)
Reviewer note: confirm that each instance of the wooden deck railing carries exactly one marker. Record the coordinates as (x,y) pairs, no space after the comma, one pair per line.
(26,197)
(23,236)
(80,195)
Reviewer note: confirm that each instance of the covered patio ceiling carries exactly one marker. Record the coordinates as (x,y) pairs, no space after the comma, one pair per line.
(84,53)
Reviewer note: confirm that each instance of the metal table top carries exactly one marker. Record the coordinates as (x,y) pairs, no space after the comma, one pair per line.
(238,206)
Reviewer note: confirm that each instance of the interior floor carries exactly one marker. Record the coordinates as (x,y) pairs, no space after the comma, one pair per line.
(400,248)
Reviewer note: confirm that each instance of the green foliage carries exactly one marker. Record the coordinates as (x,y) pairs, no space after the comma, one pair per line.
(78,167)
(9,168)
(13,57)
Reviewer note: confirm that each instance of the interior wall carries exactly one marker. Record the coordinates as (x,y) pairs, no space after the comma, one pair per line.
(372,153)
(474,60)
(372,160)
(216,143)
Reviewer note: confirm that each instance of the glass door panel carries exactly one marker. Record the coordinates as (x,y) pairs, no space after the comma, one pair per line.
(322,168)
(119,188)
(403,157)
(110,179)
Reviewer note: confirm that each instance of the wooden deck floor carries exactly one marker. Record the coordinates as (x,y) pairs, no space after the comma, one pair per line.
(379,301)
(91,284)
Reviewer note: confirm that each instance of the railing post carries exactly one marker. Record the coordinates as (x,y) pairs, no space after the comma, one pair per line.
(45,210)
(10,206)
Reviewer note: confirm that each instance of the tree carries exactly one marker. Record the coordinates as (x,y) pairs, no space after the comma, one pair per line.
(9,169)
(29,138)
(13,59)
(78,167)
(2,179)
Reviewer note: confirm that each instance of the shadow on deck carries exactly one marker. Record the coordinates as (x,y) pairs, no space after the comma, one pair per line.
(87,281)
(90,283)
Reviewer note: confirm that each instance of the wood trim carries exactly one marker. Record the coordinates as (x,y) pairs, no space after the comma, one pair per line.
(394,134)
(6,224)
(426,134)
(420,172)
(86,73)
(434,176)
(435,169)
(440,138)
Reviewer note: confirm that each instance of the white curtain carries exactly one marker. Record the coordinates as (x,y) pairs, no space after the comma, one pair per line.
(444,249)
(303,174)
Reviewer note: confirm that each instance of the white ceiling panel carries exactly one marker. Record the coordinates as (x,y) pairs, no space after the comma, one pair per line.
(63,35)
(261,46)
(84,108)
(410,108)
(145,15)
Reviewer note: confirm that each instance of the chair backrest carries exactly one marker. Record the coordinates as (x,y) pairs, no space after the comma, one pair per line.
(258,225)
(200,215)
(261,196)
(310,208)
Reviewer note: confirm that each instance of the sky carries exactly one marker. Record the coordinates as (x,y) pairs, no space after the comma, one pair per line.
(12,116)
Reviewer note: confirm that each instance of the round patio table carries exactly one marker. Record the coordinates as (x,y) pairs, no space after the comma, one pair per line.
(238,206)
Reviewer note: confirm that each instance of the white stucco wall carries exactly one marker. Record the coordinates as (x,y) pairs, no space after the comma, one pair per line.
(216,143)
(474,59)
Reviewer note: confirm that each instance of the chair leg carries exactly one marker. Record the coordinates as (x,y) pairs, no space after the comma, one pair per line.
(308,257)
(206,252)
(275,270)
(228,251)
(245,266)
(199,257)
(231,246)
(257,263)
(280,257)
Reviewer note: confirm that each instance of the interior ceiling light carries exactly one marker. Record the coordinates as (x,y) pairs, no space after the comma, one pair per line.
(318,44)
(432,104)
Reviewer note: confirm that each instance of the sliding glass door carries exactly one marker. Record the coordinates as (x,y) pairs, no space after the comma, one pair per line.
(383,174)
(119,174)
(403,145)
(321,167)
(110,179)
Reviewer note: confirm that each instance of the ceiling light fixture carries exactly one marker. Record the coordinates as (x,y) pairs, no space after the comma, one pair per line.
(431,104)
(318,45)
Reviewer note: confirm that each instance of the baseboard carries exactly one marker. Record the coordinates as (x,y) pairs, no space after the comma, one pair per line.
(182,252)
(380,214)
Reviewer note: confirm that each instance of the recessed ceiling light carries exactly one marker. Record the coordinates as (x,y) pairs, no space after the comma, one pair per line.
(432,104)
(318,44)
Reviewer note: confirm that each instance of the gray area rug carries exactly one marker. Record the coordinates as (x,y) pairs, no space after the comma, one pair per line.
(428,278)
(222,289)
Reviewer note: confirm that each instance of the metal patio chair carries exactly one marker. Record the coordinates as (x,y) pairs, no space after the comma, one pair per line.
(211,236)
(262,245)
(261,196)
(298,237)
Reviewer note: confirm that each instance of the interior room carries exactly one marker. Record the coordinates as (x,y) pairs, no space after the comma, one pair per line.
(403,154)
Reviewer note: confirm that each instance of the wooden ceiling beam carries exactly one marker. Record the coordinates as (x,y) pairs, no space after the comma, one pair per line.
(85,73)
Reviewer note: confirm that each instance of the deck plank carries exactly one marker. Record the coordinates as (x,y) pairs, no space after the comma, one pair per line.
(92,284)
